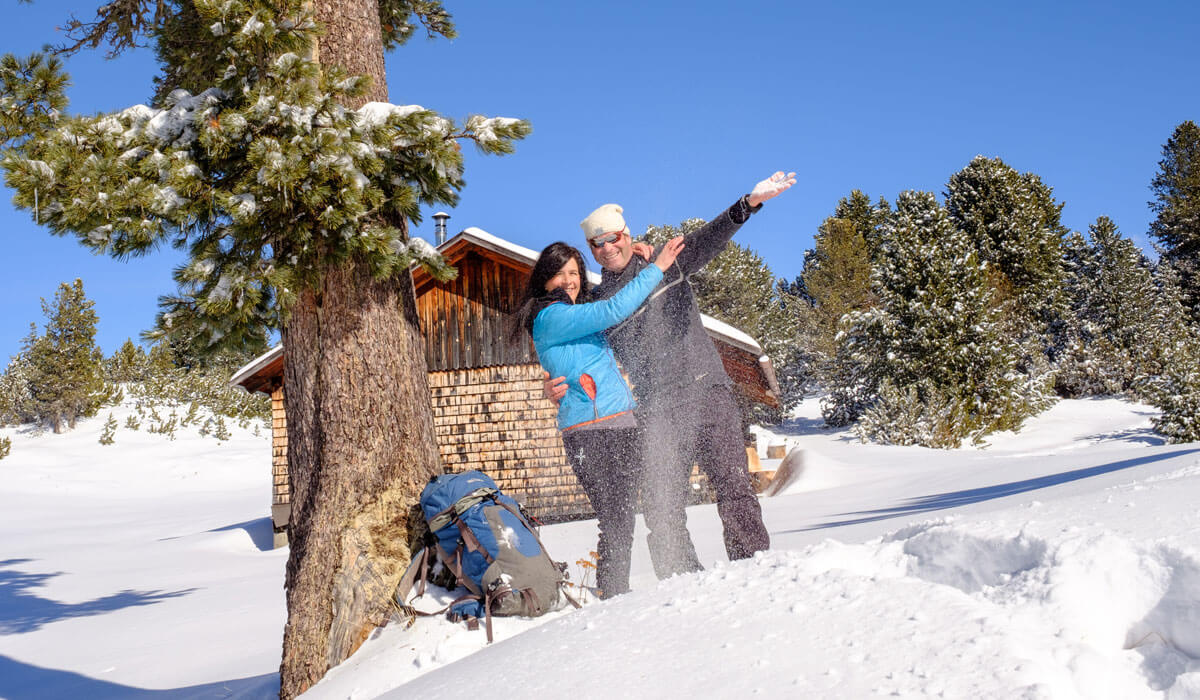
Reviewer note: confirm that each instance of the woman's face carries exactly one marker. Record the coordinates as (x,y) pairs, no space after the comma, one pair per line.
(566,279)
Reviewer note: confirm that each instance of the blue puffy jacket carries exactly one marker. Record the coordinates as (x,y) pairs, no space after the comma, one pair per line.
(570,343)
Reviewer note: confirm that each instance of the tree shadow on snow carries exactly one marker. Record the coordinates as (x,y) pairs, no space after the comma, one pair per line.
(22,611)
(1145,436)
(22,681)
(954,499)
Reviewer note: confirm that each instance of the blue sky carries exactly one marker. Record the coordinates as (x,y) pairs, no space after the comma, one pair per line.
(673,113)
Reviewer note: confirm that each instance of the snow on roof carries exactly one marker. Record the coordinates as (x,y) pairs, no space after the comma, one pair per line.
(731,334)
(253,366)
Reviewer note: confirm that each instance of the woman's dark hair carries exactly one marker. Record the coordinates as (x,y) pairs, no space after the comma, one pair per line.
(549,262)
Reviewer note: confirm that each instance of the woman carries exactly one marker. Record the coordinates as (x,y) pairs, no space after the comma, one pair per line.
(596,414)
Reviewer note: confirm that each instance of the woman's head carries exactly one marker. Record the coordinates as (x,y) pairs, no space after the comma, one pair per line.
(559,266)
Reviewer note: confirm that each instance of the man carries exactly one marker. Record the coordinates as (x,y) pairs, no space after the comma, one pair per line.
(687,409)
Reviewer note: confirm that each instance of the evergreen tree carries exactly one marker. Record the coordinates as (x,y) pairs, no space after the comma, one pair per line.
(1014,224)
(108,434)
(128,364)
(1123,321)
(272,155)
(1169,321)
(866,218)
(1079,370)
(837,277)
(1176,392)
(738,288)
(16,398)
(942,370)
(1176,206)
(66,377)
(5,447)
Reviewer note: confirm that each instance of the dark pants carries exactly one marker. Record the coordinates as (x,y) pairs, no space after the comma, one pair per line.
(608,464)
(702,427)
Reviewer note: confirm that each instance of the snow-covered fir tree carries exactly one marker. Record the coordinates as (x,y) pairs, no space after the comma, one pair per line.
(1014,224)
(66,380)
(16,399)
(1078,368)
(1173,386)
(1176,206)
(1175,391)
(938,367)
(1113,301)
(1126,318)
(273,156)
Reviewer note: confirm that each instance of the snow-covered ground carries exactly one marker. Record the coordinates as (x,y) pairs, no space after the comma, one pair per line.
(1062,562)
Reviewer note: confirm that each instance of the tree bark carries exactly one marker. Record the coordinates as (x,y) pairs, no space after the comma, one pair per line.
(361,444)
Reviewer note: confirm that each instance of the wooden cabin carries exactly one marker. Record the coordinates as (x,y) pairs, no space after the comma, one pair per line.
(488,409)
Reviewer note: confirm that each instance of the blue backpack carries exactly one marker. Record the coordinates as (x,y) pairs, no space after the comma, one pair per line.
(486,541)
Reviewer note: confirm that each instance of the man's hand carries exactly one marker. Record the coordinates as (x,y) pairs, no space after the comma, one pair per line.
(553,389)
(643,250)
(770,188)
(666,256)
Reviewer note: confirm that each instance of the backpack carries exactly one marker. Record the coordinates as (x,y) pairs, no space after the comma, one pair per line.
(487,542)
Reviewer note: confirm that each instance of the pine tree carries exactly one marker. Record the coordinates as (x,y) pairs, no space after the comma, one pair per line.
(220,430)
(272,155)
(738,288)
(837,275)
(66,375)
(1172,384)
(941,369)
(1079,370)
(128,364)
(1176,206)
(1014,224)
(1123,321)
(16,398)
(5,447)
(1176,392)
(108,434)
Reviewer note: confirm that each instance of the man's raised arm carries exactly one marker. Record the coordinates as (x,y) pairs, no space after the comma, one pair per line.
(709,240)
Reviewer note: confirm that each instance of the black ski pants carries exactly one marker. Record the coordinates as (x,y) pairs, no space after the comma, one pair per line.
(608,464)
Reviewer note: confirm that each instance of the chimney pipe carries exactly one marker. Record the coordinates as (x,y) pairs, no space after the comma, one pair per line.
(440,226)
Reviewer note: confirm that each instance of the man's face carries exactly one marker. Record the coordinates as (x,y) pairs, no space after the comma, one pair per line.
(612,250)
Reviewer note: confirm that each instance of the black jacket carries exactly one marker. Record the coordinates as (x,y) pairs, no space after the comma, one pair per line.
(663,346)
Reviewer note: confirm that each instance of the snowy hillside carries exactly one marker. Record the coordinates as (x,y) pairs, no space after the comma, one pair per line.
(1062,562)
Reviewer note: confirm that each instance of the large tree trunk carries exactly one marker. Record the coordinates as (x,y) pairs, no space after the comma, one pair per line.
(360,427)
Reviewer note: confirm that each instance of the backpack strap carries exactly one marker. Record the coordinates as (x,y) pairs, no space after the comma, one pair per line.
(471,541)
(421,613)
(417,571)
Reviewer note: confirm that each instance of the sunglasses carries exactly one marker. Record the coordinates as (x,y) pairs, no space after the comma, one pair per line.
(599,241)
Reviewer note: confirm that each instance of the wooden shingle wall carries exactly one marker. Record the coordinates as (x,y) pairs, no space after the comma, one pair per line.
(279,472)
(496,420)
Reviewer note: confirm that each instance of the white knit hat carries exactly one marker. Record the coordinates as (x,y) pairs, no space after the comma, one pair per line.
(606,219)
